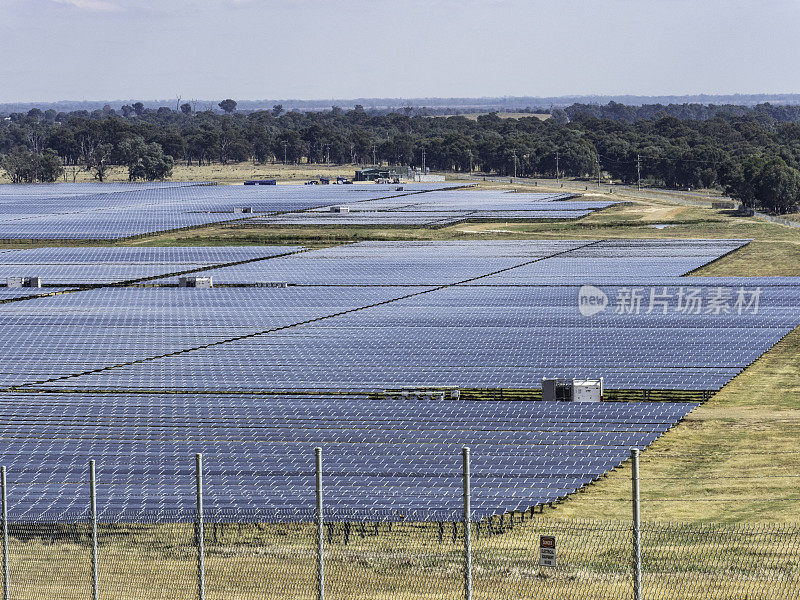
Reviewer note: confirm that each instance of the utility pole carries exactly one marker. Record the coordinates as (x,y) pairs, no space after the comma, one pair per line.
(423,161)
(514,153)
(557,171)
(638,172)
(374,150)
(285,143)
(597,160)
(470,162)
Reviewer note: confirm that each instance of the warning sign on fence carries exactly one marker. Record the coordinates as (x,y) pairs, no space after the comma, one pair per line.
(547,551)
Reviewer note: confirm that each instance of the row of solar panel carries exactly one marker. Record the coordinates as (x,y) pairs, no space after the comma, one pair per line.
(414,339)
(524,454)
(441,208)
(96,212)
(87,266)
(372,263)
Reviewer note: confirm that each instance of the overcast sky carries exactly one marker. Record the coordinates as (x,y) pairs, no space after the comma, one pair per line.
(307,49)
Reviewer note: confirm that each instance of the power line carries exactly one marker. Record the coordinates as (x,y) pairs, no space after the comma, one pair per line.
(656,158)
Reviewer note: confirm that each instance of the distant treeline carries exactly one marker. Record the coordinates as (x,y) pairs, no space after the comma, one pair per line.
(754,153)
(425,105)
(685,112)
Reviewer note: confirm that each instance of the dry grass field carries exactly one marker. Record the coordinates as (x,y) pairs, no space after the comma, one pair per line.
(411,561)
(230,173)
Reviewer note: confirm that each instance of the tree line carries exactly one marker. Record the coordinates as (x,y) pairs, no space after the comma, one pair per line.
(754,155)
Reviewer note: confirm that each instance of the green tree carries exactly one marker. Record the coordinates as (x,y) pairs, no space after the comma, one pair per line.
(778,187)
(145,161)
(19,165)
(98,161)
(23,166)
(49,167)
(228,105)
(766,183)
(154,164)
(129,153)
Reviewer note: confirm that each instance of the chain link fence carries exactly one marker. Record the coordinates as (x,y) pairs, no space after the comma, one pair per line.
(154,558)
(314,554)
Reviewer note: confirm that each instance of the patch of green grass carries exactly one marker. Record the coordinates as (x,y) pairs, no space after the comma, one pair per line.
(734,459)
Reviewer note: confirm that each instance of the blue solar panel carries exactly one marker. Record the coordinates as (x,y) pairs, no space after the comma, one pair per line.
(73,333)
(21,293)
(80,265)
(375,315)
(400,458)
(140,378)
(441,208)
(392,263)
(112,211)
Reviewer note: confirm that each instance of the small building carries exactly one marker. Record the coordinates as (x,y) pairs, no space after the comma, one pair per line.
(196,282)
(21,282)
(572,390)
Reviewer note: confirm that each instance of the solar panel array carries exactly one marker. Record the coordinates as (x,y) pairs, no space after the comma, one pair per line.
(20,293)
(90,266)
(392,263)
(446,207)
(140,378)
(379,315)
(494,262)
(74,333)
(114,211)
(478,337)
(393,461)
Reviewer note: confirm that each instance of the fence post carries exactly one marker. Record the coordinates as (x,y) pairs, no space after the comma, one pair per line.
(467,533)
(201,570)
(320,526)
(93,516)
(6,578)
(637,526)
